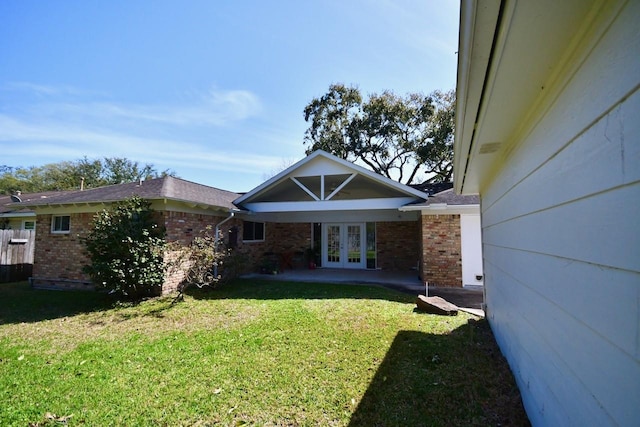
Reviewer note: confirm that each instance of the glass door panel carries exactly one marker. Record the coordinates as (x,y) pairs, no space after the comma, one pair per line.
(333,244)
(354,244)
(344,245)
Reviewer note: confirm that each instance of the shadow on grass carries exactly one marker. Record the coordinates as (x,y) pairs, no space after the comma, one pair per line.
(256,289)
(442,380)
(20,303)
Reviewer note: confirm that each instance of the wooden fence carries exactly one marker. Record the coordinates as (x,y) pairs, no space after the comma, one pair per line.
(16,255)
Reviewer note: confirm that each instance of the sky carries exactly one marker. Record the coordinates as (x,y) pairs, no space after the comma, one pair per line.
(212,90)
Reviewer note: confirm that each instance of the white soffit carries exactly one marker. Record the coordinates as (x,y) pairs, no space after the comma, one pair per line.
(503,72)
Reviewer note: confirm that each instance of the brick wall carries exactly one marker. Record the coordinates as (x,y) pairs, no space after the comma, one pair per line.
(441,261)
(280,238)
(184,227)
(61,256)
(398,245)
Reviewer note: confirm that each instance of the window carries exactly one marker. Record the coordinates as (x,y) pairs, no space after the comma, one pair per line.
(60,224)
(28,225)
(253,231)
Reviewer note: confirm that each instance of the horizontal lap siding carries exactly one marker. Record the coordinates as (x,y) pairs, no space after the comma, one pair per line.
(562,244)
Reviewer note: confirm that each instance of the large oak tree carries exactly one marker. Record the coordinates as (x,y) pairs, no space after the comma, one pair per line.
(408,139)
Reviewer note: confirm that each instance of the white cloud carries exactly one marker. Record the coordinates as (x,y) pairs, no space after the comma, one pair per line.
(208,135)
(71,141)
(213,108)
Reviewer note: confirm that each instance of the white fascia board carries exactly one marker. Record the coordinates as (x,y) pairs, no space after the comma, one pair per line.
(330,205)
(277,178)
(478,22)
(17,215)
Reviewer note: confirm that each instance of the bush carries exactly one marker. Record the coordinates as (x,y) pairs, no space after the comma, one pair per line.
(204,264)
(126,248)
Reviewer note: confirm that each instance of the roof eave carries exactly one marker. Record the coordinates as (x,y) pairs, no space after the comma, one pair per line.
(478,25)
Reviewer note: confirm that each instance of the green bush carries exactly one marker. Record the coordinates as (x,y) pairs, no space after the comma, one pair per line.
(126,248)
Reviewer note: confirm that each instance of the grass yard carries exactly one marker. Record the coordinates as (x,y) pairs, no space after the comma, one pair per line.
(250,353)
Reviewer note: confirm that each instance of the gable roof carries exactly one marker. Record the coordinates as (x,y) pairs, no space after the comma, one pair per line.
(164,188)
(333,176)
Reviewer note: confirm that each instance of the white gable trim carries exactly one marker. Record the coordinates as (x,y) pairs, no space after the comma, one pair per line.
(306,190)
(344,166)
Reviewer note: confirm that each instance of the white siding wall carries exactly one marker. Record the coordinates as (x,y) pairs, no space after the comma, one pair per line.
(471,248)
(561,230)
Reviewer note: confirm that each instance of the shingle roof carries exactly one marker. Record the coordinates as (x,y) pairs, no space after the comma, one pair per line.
(451,198)
(167,187)
(7,204)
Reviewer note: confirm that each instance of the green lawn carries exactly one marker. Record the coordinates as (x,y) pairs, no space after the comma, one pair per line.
(250,353)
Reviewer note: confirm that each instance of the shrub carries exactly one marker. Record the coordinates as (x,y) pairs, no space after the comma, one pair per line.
(203,263)
(126,248)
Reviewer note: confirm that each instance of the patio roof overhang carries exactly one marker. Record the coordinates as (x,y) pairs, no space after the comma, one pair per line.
(330,205)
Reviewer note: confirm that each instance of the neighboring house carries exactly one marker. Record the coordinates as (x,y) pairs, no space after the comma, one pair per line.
(17,235)
(548,133)
(185,209)
(321,212)
(14,216)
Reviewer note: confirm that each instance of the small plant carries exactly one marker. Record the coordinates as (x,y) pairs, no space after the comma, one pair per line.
(126,248)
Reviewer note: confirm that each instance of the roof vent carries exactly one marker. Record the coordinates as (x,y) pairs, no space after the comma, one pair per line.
(490,147)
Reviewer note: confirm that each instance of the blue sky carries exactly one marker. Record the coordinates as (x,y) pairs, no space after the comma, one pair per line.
(213,90)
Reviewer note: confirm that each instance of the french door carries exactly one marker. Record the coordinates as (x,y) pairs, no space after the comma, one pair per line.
(344,245)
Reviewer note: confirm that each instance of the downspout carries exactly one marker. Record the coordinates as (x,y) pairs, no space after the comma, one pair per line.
(217,239)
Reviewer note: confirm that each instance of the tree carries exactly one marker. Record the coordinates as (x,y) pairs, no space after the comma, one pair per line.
(126,248)
(331,117)
(71,175)
(405,139)
(436,155)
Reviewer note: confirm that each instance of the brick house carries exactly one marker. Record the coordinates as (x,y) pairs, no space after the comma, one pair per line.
(184,208)
(354,218)
(322,212)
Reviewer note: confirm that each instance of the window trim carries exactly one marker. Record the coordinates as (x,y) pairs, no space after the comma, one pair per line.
(24,224)
(264,231)
(61,231)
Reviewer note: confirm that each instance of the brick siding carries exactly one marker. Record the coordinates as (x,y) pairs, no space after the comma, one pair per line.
(292,239)
(61,256)
(398,245)
(441,261)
